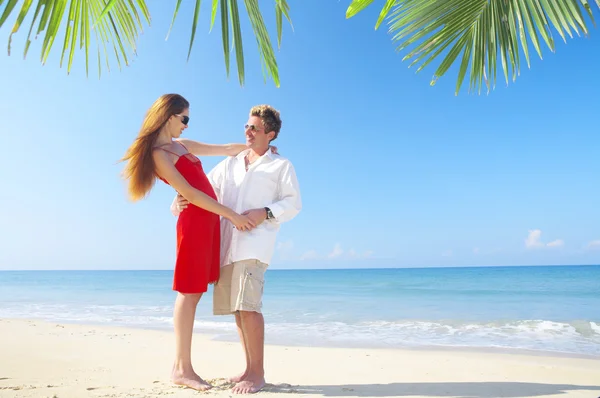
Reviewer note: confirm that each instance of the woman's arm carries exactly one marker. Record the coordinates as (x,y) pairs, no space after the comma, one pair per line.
(166,169)
(202,149)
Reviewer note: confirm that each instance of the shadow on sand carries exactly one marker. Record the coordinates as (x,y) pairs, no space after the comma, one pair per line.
(463,389)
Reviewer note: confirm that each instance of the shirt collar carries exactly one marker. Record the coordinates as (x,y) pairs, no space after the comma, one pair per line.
(269,154)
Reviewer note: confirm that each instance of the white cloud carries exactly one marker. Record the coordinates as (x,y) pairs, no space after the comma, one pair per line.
(595,244)
(534,240)
(475,250)
(367,254)
(447,253)
(337,251)
(309,255)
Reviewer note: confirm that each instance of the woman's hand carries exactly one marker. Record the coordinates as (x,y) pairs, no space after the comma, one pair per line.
(242,223)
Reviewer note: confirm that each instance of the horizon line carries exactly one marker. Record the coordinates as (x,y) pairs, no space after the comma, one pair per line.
(308,269)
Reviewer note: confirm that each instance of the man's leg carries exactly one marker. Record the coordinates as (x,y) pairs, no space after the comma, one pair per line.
(246,299)
(241,376)
(183,319)
(253,328)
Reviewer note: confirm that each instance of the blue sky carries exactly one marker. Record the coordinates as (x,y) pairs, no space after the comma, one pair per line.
(393,172)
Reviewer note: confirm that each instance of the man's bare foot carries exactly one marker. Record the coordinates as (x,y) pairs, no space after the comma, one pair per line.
(251,385)
(190,380)
(238,378)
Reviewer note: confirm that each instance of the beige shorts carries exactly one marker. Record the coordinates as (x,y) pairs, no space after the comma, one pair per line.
(240,287)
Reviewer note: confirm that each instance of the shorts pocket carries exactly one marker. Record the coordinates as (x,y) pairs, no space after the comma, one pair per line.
(254,283)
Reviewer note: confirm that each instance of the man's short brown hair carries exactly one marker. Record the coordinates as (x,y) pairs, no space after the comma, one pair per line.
(269,116)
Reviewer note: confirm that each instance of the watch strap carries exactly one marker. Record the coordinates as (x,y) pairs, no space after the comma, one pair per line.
(269,213)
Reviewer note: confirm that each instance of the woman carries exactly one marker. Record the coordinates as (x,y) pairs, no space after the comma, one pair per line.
(155,154)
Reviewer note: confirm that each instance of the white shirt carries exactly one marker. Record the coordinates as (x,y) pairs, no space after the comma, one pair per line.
(269,182)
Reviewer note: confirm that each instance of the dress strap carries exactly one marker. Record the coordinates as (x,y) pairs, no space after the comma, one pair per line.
(166,150)
(184,147)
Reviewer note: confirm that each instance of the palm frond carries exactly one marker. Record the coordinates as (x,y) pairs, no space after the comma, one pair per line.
(225,33)
(357,6)
(483,31)
(231,33)
(117,23)
(267,55)
(238,44)
(281,8)
(194,26)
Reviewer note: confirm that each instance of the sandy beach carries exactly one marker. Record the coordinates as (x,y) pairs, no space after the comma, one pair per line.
(39,359)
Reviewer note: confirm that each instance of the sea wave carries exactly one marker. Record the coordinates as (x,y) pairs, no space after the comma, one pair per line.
(573,337)
(576,337)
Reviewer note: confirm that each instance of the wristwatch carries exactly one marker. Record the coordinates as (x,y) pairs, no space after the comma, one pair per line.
(269,214)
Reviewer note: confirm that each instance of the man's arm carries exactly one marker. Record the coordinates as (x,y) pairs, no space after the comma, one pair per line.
(202,149)
(290,201)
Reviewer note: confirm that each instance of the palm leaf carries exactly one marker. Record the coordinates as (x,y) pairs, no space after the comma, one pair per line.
(194,26)
(237,38)
(117,23)
(213,14)
(22,14)
(357,6)
(231,23)
(488,33)
(281,8)
(384,12)
(225,33)
(267,54)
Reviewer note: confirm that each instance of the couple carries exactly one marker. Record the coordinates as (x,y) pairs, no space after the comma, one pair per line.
(253,191)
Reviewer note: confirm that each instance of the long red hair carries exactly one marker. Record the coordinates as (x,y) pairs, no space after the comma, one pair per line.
(140,168)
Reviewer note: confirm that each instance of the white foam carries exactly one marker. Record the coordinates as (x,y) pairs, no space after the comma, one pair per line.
(579,337)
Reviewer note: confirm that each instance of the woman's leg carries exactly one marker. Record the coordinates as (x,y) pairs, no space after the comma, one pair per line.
(183,319)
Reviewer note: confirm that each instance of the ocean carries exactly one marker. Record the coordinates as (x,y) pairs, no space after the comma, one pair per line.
(543,308)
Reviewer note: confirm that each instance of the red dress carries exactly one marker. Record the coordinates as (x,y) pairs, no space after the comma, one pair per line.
(198,234)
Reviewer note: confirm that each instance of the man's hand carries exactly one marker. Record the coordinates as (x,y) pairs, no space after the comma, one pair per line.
(182,203)
(242,222)
(256,215)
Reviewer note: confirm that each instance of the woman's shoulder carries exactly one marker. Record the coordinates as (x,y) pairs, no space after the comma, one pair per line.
(174,148)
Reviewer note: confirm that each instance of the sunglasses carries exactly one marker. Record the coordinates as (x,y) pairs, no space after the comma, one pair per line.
(184,119)
(251,127)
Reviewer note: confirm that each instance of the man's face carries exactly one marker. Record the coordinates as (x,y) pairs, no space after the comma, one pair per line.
(256,136)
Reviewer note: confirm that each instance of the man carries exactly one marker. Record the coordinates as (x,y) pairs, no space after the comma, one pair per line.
(263,186)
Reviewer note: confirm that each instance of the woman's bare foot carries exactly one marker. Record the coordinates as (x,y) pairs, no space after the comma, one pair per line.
(190,380)
(238,378)
(250,385)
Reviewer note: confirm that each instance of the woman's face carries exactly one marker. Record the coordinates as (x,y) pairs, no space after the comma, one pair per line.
(177,123)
